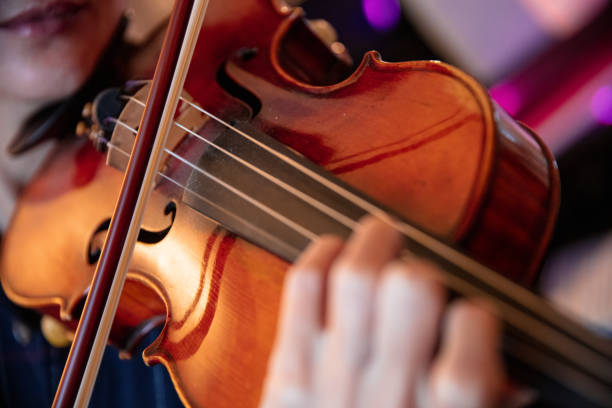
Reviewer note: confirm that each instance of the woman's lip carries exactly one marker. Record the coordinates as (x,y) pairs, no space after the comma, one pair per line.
(44,20)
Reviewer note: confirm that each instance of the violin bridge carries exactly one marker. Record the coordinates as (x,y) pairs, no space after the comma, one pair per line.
(126,127)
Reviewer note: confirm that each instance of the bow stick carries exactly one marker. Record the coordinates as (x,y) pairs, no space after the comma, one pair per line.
(97,318)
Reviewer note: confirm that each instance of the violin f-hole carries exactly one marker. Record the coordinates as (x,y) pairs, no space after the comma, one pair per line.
(94,249)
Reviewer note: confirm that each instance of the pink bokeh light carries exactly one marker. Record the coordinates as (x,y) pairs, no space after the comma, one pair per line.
(382,15)
(601,105)
(508,96)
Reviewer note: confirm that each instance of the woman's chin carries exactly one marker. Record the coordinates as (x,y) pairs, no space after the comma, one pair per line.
(50,72)
(47,69)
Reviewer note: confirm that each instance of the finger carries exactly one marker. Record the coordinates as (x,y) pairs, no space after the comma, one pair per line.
(289,371)
(469,371)
(302,302)
(409,304)
(351,292)
(372,244)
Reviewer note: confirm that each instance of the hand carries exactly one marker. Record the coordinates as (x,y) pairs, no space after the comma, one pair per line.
(358,328)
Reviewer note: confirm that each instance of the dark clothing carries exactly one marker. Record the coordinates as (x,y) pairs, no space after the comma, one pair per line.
(30,369)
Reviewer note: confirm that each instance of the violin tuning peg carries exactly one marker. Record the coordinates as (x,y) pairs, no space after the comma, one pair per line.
(94,134)
(98,138)
(87,110)
(82,130)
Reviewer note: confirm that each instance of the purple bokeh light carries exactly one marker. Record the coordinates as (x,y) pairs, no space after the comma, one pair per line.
(508,97)
(601,105)
(382,15)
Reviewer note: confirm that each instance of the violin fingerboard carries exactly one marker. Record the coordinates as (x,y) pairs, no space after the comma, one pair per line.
(259,208)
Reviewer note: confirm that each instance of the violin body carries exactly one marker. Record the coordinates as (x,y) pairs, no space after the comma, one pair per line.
(421,138)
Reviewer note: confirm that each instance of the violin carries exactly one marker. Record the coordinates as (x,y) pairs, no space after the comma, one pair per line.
(273,142)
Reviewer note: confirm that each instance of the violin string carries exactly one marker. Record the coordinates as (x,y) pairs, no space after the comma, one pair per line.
(288,222)
(436,246)
(244,221)
(210,202)
(415,234)
(355,199)
(329,211)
